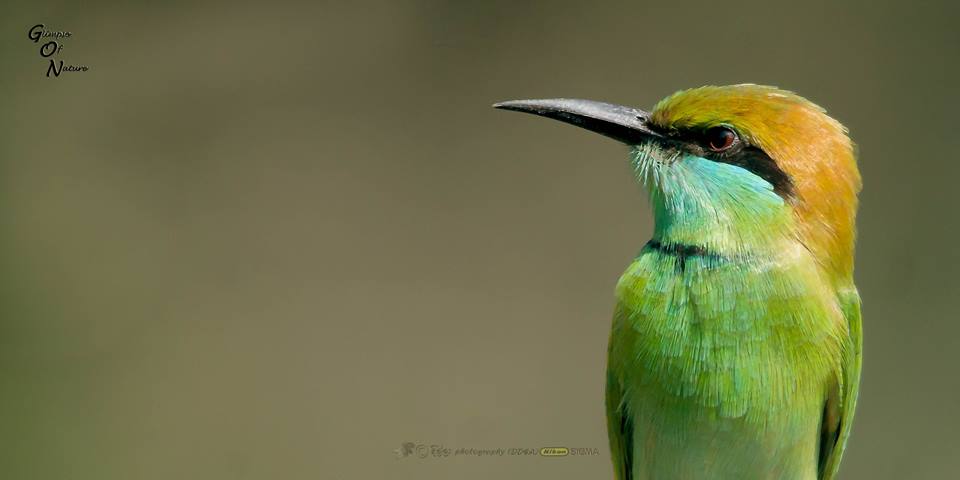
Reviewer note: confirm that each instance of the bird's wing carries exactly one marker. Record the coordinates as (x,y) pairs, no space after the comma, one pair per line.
(620,430)
(619,420)
(838,411)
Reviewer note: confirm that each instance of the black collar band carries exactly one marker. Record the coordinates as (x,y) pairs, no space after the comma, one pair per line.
(682,252)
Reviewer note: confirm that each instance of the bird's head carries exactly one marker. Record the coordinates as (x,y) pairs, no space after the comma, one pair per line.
(735,170)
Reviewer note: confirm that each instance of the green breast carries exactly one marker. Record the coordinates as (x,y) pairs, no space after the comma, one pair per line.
(724,364)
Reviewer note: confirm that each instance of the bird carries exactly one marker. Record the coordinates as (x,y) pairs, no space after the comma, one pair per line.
(735,348)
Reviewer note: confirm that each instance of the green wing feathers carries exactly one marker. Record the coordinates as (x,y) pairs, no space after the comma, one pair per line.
(620,430)
(838,415)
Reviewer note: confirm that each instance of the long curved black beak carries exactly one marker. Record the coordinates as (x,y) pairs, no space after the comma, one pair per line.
(625,124)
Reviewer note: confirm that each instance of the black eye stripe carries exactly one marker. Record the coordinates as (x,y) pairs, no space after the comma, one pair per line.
(743,155)
(757,162)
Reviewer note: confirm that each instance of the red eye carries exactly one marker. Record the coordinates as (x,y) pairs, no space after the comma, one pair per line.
(720,138)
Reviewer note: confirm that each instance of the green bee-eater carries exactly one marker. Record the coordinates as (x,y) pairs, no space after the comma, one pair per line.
(735,350)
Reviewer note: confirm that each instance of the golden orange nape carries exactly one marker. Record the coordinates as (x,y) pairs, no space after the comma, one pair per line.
(736,338)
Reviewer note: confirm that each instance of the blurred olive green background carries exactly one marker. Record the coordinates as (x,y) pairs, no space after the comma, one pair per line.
(277,241)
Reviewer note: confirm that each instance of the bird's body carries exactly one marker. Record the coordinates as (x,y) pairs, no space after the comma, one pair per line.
(722,368)
(735,346)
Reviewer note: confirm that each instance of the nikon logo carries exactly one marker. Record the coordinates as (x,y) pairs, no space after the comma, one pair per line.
(554,451)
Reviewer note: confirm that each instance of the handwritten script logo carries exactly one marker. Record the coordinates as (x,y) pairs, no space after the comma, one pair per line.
(53,47)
